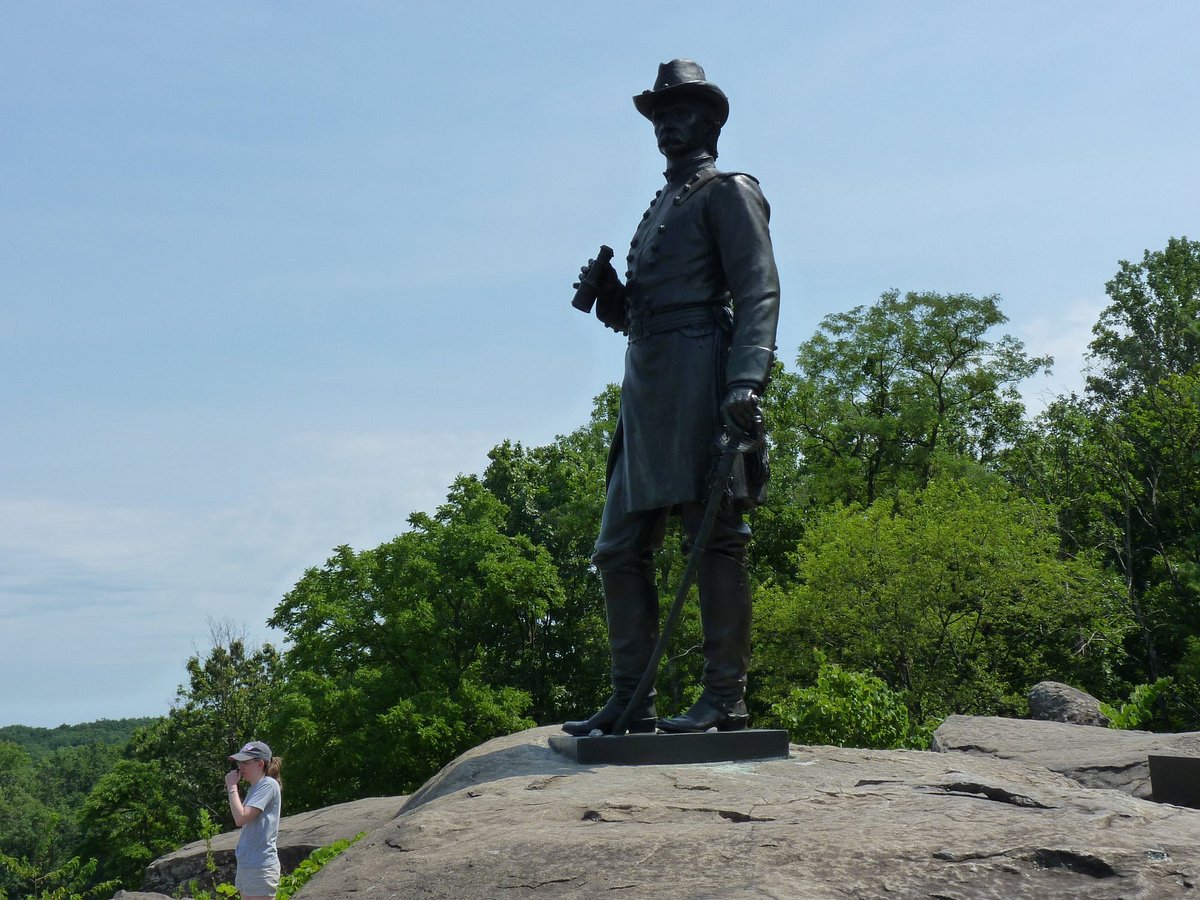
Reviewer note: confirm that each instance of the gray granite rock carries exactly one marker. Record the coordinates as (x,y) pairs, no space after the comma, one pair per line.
(1054,701)
(1093,757)
(299,835)
(513,819)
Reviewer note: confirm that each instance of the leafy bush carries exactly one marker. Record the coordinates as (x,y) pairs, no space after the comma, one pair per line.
(73,880)
(849,709)
(288,885)
(291,883)
(1141,708)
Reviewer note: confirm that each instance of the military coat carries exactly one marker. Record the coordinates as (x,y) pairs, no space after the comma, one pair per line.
(701,307)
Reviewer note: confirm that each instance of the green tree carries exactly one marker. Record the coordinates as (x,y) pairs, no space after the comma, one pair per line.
(74,879)
(1151,326)
(63,778)
(887,395)
(554,496)
(130,819)
(26,823)
(229,698)
(107,732)
(955,596)
(1122,465)
(403,656)
(41,792)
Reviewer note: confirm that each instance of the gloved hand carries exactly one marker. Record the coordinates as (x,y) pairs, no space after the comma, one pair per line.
(610,293)
(740,407)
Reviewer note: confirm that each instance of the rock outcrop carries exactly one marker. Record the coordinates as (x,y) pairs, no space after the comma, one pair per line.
(1007,809)
(1054,701)
(1092,757)
(299,835)
(513,819)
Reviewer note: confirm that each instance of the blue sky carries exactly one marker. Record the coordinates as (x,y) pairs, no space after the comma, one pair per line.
(272,274)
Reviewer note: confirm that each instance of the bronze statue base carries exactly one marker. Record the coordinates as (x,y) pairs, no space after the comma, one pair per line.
(669,749)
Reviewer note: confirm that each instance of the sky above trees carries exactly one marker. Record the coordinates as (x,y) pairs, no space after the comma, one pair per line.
(270,277)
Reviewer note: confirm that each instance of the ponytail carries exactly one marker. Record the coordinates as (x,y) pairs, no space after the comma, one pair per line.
(273,769)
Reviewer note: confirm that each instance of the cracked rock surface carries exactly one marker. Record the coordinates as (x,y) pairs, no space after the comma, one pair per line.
(513,819)
(1094,757)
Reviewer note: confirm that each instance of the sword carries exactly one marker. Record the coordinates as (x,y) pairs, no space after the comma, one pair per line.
(733,443)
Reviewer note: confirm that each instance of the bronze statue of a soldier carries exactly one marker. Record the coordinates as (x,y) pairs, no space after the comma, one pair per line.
(699,303)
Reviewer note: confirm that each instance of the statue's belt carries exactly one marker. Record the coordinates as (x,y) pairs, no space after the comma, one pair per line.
(672,318)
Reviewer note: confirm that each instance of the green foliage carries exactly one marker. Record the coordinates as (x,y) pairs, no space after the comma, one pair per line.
(554,496)
(72,880)
(208,830)
(229,698)
(172,786)
(41,790)
(849,709)
(128,820)
(404,656)
(42,741)
(1122,465)
(955,596)
(289,884)
(1151,327)
(26,823)
(1140,710)
(887,395)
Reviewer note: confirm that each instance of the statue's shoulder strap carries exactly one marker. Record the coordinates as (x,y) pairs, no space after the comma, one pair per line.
(704,178)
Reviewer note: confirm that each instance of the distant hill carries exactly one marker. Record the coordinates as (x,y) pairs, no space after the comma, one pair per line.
(39,741)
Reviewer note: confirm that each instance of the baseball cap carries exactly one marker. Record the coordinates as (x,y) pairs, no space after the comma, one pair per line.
(253,750)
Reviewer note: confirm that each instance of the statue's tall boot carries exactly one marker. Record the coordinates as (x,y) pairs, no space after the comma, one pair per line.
(725,615)
(631,605)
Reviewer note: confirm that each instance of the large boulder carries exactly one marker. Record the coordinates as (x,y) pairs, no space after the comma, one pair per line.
(299,835)
(513,819)
(1054,701)
(1093,757)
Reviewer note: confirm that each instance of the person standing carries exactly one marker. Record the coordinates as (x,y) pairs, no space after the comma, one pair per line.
(700,306)
(258,817)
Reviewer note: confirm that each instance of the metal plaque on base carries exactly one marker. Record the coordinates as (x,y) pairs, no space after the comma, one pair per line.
(1176,779)
(669,749)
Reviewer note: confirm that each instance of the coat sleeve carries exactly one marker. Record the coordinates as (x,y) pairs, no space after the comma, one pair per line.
(739,217)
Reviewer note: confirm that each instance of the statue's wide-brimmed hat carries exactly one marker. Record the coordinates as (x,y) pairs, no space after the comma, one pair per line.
(682,79)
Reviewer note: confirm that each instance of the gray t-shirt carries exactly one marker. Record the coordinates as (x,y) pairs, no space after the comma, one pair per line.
(256,846)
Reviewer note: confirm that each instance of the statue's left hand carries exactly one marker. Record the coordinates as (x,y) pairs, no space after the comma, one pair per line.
(740,407)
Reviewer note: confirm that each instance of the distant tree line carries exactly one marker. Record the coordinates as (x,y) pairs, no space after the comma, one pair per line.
(928,550)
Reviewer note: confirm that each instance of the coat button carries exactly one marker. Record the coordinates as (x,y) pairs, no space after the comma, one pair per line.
(662,228)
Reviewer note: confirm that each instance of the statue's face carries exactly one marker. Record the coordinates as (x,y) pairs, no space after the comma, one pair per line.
(682,128)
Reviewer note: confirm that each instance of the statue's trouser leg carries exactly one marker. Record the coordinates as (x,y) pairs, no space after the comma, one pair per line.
(624,557)
(725,616)
(631,605)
